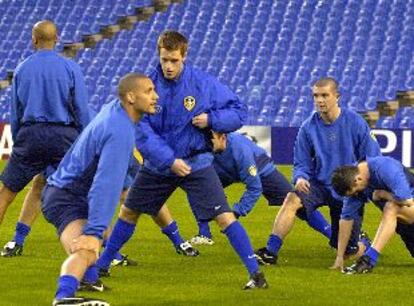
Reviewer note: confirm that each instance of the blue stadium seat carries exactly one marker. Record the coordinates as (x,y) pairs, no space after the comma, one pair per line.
(388,122)
(367,45)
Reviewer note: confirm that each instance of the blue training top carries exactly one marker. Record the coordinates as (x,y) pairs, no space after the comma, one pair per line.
(320,147)
(170,134)
(96,165)
(243,161)
(385,173)
(48,88)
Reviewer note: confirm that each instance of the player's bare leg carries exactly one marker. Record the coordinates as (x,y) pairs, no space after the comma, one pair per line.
(83,253)
(28,215)
(282,226)
(286,216)
(6,198)
(32,202)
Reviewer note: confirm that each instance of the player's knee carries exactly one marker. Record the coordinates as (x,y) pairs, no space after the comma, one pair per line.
(87,256)
(39,183)
(292,202)
(390,210)
(6,194)
(225,219)
(128,214)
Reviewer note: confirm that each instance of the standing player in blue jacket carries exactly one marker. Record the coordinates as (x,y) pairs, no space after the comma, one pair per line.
(331,137)
(380,179)
(81,196)
(176,148)
(48,110)
(238,159)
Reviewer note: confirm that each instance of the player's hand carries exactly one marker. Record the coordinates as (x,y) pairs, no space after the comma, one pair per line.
(338,264)
(86,242)
(180,168)
(200,121)
(302,185)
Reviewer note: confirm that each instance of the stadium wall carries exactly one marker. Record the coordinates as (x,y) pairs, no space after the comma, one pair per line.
(279,142)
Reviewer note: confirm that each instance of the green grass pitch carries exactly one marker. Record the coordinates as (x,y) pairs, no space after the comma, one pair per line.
(215,277)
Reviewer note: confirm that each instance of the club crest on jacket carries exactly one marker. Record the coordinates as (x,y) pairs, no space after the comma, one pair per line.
(189,103)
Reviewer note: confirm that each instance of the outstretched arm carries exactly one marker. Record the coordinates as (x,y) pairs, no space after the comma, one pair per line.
(250,177)
(345,229)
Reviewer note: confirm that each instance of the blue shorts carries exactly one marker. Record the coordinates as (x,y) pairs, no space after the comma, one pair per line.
(150,191)
(319,196)
(275,187)
(60,207)
(37,147)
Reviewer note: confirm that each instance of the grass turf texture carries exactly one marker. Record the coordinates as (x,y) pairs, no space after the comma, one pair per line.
(216,277)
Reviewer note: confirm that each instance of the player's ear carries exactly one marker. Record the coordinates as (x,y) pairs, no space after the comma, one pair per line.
(130,97)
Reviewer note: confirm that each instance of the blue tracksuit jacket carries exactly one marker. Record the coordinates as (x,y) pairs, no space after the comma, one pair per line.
(243,161)
(97,163)
(387,174)
(169,134)
(48,88)
(320,148)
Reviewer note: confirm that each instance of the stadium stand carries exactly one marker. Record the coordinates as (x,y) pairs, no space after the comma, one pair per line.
(269,52)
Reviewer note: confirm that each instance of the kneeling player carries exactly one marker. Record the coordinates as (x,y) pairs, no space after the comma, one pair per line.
(381,179)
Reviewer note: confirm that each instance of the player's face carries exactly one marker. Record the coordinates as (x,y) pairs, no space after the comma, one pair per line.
(325,98)
(144,97)
(172,63)
(359,185)
(219,142)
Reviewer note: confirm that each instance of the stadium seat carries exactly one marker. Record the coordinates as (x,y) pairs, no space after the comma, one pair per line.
(367,45)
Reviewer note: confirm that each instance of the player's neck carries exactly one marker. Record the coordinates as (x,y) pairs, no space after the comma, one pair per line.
(134,115)
(44,46)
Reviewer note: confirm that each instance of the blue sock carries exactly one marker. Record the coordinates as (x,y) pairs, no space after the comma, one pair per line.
(91,274)
(366,242)
(172,232)
(274,244)
(22,230)
(373,255)
(241,244)
(121,233)
(204,229)
(318,222)
(67,287)
(118,255)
